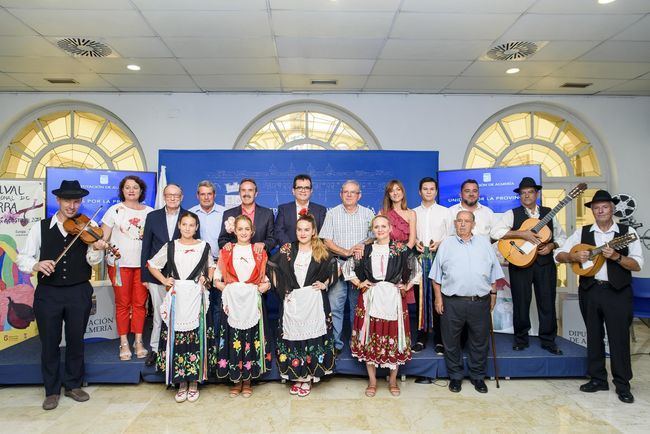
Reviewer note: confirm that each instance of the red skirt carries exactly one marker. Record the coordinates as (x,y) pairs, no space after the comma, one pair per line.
(381,349)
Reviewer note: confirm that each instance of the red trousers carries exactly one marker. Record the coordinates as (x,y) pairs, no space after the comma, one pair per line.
(130,300)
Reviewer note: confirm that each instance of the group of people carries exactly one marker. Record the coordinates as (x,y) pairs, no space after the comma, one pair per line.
(207,271)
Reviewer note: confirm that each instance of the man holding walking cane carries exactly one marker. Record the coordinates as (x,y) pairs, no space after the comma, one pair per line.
(464,274)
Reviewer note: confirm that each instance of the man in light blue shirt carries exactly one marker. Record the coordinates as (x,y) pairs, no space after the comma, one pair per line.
(210,215)
(464,273)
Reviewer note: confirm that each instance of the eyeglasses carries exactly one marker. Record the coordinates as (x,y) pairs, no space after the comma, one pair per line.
(350,193)
(173,196)
(302,188)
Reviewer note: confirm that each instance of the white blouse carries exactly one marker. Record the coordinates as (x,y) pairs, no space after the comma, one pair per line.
(242,261)
(186,258)
(127,229)
(379,262)
(300,266)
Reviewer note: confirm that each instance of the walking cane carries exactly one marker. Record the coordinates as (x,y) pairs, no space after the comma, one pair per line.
(494,352)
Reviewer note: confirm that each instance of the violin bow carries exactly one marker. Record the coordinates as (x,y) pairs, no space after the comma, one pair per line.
(77,236)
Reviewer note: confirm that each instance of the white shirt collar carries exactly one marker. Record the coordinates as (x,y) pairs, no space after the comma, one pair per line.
(428,207)
(298,207)
(612,228)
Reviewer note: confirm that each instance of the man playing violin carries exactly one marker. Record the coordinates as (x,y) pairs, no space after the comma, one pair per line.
(606,298)
(63,293)
(541,275)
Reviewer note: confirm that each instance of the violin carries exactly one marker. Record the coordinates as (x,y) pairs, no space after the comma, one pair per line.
(78,225)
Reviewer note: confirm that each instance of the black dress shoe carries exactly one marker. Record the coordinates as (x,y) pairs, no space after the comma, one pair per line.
(151,358)
(553,350)
(625,396)
(519,347)
(593,386)
(480,386)
(423,380)
(455,385)
(439,349)
(419,346)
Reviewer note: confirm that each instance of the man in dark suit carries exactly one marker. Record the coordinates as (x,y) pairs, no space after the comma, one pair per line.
(288,213)
(261,217)
(160,227)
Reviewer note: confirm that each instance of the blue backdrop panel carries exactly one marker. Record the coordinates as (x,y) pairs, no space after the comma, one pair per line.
(274,171)
(102,184)
(495,184)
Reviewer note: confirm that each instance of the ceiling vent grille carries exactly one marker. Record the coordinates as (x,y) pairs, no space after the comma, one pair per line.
(84,47)
(513,50)
(328,82)
(62,80)
(576,85)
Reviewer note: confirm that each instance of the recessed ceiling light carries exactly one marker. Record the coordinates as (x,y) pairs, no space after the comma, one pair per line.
(512,71)
(133,67)
(604,2)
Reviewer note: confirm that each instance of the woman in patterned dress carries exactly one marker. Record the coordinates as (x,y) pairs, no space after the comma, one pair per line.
(301,272)
(381,332)
(243,353)
(187,332)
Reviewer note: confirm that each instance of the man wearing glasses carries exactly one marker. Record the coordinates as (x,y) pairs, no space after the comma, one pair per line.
(288,213)
(160,227)
(344,231)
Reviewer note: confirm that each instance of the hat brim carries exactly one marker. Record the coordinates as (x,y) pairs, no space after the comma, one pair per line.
(70,194)
(536,187)
(612,200)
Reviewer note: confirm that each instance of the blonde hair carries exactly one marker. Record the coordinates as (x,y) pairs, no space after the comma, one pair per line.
(318,250)
(388,203)
(247,219)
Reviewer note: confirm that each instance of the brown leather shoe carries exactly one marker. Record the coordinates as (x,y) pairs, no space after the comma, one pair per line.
(77,394)
(51,402)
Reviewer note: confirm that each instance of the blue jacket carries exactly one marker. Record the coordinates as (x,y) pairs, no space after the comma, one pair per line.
(285,222)
(263,223)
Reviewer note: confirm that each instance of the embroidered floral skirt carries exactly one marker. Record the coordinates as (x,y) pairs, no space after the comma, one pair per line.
(242,355)
(381,349)
(308,359)
(186,358)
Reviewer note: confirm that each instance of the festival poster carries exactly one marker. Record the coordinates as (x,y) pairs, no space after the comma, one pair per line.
(21,206)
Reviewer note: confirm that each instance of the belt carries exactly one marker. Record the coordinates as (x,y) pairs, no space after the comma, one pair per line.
(469,297)
(601,282)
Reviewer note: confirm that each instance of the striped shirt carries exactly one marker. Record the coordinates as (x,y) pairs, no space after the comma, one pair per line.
(346,229)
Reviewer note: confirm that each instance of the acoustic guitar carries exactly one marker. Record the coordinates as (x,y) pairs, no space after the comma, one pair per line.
(596,259)
(523,253)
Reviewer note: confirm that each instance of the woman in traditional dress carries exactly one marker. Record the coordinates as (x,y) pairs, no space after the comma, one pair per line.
(301,272)
(187,333)
(123,226)
(381,333)
(243,353)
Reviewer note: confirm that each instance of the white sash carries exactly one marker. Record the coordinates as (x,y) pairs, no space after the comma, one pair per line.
(241,299)
(304,315)
(187,308)
(385,301)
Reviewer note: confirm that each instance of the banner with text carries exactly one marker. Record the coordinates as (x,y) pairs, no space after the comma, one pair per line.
(21,206)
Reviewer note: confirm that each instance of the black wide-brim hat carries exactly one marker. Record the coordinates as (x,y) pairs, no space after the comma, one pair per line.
(70,190)
(527,182)
(602,196)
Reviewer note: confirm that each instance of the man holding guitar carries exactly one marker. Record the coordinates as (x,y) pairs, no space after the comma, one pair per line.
(606,297)
(541,273)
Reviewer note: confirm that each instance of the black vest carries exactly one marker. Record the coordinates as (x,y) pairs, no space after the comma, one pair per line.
(72,269)
(520,217)
(617,276)
(200,269)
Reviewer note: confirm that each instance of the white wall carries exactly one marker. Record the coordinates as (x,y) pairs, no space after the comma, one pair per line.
(439,122)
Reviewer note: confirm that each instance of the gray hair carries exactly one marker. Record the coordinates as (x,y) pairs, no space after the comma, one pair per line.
(351,181)
(175,185)
(468,212)
(206,183)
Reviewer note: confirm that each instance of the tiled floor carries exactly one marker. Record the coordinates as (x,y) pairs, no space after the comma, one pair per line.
(339,405)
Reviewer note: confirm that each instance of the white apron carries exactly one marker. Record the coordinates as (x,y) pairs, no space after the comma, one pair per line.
(304,315)
(187,305)
(242,301)
(384,301)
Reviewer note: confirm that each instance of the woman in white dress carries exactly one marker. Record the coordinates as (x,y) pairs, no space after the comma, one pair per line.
(123,226)
(187,333)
